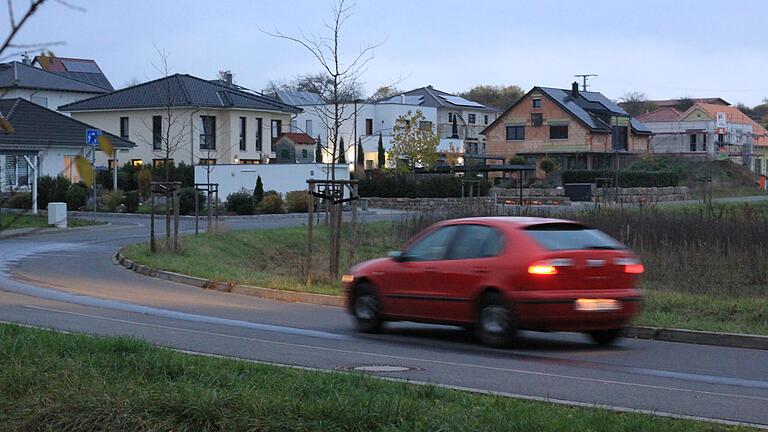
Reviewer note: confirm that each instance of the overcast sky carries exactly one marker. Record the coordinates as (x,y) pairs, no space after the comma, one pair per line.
(665,49)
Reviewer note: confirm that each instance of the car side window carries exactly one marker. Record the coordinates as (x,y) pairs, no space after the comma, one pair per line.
(477,241)
(432,247)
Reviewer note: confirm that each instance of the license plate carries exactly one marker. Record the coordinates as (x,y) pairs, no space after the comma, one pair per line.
(597,305)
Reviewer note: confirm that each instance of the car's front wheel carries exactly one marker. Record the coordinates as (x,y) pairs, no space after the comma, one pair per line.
(495,325)
(606,337)
(367,309)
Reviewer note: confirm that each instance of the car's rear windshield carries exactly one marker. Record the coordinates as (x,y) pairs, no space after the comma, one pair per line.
(565,236)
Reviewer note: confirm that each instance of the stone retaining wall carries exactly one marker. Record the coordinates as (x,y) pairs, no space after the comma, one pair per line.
(437,204)
(532,192)
(644,194)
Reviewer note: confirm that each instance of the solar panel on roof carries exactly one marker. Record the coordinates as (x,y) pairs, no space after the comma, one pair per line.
(78,66)
(458,100)
(407,100)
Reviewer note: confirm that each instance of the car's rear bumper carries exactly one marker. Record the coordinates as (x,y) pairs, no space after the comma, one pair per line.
(556,310)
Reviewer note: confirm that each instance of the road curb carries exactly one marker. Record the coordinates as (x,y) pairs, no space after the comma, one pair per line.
(261,292)
(732,340)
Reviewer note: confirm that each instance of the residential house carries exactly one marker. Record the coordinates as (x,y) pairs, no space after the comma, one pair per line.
(709,131)
(576,129)
(188,119)
(295,147)
(53,138)
(83,70)
(47,89)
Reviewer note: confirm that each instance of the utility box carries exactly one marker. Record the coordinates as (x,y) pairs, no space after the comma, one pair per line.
(578,191)
(57,214)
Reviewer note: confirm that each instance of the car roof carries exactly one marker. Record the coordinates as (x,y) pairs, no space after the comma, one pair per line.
(516,221)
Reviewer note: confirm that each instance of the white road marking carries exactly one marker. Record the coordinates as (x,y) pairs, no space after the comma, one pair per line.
(403,358)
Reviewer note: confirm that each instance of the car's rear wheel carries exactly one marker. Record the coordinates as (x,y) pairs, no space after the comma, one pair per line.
(606,337)
(367,309)
(495,325)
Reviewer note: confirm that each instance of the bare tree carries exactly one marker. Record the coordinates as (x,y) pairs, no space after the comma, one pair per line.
(133,81)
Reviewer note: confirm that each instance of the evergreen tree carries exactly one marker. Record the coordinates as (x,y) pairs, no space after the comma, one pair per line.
(360,153)
(342,152)
(318,151)
(258,192)
(382,155)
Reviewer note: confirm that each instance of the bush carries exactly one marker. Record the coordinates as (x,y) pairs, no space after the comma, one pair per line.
(187,200)
(21,200)
(547,165)
(51,189)
(144,180)
(517,160)
(186,175)
(127,175)
(297,201)
(272,204)
(111,200)
(626,178)
(405,187)
(77,196)
(131,200)
(241,203)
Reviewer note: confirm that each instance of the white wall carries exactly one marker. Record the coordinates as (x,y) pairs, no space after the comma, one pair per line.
(280,177)
(53,99)
(51,163)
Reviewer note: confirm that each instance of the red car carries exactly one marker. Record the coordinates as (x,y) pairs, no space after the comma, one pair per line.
(501,274)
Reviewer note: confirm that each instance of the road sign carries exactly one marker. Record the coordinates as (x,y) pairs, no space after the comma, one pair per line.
(92,136)
(88,152)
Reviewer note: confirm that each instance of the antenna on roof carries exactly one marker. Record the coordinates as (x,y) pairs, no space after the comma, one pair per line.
(584,78)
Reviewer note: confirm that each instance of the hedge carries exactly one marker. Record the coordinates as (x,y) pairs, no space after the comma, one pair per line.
(408,187)
(626,178)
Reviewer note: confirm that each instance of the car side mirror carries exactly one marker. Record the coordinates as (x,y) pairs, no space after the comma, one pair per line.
(397,255)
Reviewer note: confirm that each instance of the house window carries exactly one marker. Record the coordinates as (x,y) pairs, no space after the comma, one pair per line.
(208,133)
(537,103)
(157,132)
(124,127)
(471,118)
(70,169)
(258,134)
(250,161)
(721,139)
(308,127)
(110,164)
(137,162)
(485,118)
(692,141)
(620,138)
(207,161)
(369,126)
(304,154)
(161,162)
(285,154)
(558,132)
(450,117)
(277,129)
(515,133)
(242,133)
(537,119)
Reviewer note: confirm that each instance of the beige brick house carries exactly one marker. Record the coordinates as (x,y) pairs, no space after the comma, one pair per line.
(576,129)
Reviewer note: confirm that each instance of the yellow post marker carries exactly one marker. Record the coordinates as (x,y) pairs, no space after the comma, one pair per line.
(85,169)
(105,145)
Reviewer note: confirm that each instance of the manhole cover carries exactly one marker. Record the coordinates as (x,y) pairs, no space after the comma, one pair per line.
(381,368)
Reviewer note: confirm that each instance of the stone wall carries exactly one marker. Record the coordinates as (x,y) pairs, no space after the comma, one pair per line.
(436,204)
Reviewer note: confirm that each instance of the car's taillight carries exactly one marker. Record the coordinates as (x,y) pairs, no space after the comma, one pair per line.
(631,265)
(549,267)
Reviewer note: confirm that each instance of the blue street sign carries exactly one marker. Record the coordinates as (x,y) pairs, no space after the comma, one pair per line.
(92,136)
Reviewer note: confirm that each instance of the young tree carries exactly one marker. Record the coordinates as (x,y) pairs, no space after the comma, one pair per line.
(318,151)
(360,153)
(258,191)
(342,152)
(414,141)
(382,156)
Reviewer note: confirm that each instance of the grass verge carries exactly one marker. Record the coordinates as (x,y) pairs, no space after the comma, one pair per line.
(56,382)
(14,221)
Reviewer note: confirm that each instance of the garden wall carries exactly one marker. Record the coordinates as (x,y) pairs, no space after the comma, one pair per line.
(644,194)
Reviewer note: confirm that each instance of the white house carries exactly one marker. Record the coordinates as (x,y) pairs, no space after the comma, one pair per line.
(183,118)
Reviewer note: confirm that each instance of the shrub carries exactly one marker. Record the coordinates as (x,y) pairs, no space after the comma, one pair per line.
(21,200)
(547,165)
(77,196)
(272,204)
(127,175)
(144,179)
(517,160)
(187,200)
(409,187)
(241,203)
(297,201)
(186,175)
(626,178)
(111,200)
(51,189)
(131,200)
(258,191)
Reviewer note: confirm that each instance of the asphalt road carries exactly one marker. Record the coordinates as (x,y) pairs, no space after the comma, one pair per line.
(68,280)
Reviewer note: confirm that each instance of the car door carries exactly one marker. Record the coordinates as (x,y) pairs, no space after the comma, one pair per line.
(416,275)
(469,266)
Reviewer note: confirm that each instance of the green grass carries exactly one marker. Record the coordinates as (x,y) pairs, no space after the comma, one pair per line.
(14,221)
(61,382)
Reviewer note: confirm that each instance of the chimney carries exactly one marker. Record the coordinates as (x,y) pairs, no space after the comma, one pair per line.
(575,89)
(25,59)
(228,77)
(402,99)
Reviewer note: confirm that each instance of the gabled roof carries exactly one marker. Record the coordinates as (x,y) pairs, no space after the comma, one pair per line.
(19,75)
(590,108)
(672,102)
(732,114)
(85,70)
(299,98)
(38,128)
(298,137)
(666,114)
(182,91)
(432,97)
